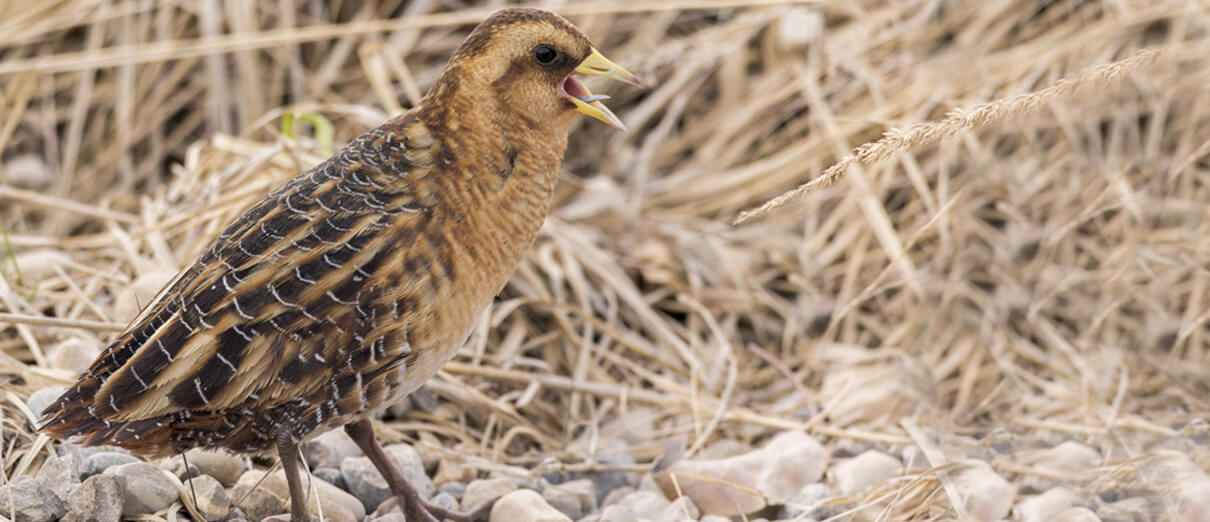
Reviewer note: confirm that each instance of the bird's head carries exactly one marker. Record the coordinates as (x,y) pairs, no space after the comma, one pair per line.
(523,62)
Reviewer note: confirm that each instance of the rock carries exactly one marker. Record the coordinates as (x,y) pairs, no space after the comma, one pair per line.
(30,501)
(724,448)
(810,496)
(331,476)
(258,503)
(454,489)
(453,470)
(616,495)
(779,470)
(338,505)
(483,490)
(618,514)
(140,292)
(714,518)
(613,454)
(99,499)
(1040,508)
(364,481)
(875,392)
(679,510)
(525,506)
(100,462)
(1077,514)
(74,354)
(575,499)
(858,473)
(27,171)
(330,449)
(988,496)
(413,469)
(177,467)
(59,474)
(393,516)
(1068,457)
(148,489)
(81,453)
(446,501)
(38,401)
(212,500)
(645,504)
(223,466)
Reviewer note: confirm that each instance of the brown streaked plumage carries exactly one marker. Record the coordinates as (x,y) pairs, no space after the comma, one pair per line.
(350,286)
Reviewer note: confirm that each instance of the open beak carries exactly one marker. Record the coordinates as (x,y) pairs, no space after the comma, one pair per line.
(588,103)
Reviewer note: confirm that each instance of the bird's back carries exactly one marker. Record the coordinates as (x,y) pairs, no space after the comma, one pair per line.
(334,296)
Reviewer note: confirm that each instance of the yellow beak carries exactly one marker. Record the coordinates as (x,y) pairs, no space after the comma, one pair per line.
(589,104)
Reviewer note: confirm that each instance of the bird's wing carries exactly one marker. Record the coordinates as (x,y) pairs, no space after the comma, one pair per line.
(281,302)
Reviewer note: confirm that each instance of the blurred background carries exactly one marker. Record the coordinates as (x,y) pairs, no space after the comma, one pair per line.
(1009,320)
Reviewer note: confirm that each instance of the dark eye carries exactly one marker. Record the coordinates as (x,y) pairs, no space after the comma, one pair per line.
(545,54)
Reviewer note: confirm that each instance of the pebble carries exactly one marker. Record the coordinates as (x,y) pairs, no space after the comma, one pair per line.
(41,399)
(27,171)
(779,470)
(858,473)
(618,513)
(454,489)
(338,505)
(30,501)
(177,468)
(988,496)
(615,496)
(329,449)
(139,292)
(1076,514)
(147,488)
(364,481)
(1069,456)
(483,490)
(446,501)
(331,476)
(525,505)
(100,462)
(809,496)
(98,499)
(59,474)
(81,453)
(613,454)
(212,500)
(645,504)
(413,469)
(679,510)
(74,354)
(714,518)
(575,498)
(1040,508)
(258,503)
(223,466)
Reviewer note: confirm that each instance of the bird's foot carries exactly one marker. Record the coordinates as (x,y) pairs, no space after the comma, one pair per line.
(425,511)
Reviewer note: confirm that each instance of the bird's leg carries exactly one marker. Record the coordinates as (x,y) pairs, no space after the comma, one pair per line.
(414,507)
(287,450)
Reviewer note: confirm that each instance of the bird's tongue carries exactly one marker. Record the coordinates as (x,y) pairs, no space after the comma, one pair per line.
(575,89)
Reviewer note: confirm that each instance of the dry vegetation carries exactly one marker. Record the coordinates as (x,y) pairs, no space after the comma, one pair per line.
(1021,274)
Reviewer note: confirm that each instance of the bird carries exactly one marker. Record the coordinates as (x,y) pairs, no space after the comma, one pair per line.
(345,289)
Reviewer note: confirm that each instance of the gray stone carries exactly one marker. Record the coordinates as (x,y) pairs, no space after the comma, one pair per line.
(338,505)
(613,454)
(74,354)
(59,474)
(330,449)
(483,490)
(38,401)
(99,498)
(616,495)
(872,467)
(331,476)
(809,496)
(258,503)
(29,501)
(525,506)
(679,510)
(147,488)
(212,500)
(645,504)
(575,498)
(618,513)
(446,501)
(364,481)
(223,466)
(454,489)
(99,462)
(412,466)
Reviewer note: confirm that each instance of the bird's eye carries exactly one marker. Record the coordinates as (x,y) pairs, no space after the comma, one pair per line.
(545,54)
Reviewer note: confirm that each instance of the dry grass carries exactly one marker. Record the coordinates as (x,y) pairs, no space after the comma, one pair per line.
(1025,264)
